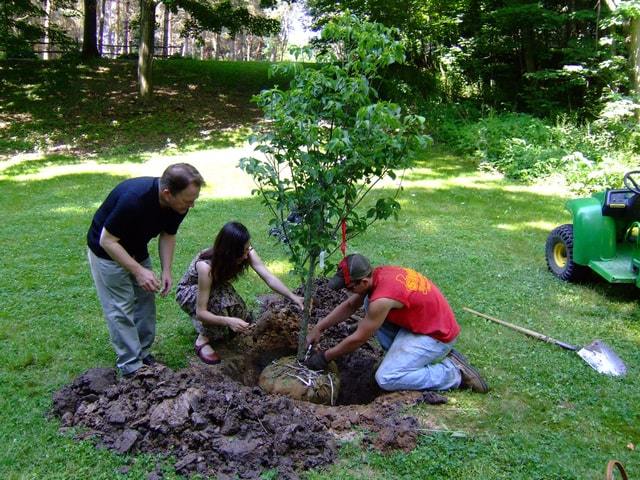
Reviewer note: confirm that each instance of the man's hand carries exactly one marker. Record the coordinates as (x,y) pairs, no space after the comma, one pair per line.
(147,280)
(166,283)
(237,324)
(317,361)
(313,337)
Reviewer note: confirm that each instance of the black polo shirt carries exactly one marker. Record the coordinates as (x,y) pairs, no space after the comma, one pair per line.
(132,212)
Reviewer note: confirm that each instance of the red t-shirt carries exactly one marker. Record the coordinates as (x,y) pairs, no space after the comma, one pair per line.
(425,311)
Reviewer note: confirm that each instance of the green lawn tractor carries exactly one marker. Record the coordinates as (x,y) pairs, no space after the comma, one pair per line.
(604,236)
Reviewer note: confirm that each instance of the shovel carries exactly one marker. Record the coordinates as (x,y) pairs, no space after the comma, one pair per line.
(597,354)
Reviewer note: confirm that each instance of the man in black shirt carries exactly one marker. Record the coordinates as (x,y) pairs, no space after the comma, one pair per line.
(136,211)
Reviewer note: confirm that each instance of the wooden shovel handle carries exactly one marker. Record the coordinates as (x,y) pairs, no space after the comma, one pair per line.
(526,331)
(618,465)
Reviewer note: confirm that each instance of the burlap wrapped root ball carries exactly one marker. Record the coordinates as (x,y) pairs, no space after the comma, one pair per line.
(286,376)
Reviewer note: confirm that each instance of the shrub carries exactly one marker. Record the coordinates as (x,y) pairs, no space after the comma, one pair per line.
(588,157)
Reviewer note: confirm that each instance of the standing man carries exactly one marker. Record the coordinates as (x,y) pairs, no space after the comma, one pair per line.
(136,211)
(412,321)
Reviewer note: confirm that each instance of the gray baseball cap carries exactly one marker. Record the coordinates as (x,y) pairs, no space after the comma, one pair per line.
(353,267)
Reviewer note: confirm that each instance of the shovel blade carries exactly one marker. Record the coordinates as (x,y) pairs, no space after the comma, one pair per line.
(603,359)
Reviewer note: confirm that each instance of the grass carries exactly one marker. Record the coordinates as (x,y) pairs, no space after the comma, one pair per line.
(478,237)
(74,109)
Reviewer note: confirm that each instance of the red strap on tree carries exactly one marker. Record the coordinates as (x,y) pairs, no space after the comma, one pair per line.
(345,271)
(343,245)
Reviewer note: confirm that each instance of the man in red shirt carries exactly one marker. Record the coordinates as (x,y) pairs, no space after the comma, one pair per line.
(412,321)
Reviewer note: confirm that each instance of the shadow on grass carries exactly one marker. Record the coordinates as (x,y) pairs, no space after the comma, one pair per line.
(87,108)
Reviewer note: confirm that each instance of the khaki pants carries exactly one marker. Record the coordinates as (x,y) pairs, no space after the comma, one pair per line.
(129,310)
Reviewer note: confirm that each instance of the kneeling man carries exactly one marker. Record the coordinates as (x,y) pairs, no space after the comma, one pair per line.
(412,321)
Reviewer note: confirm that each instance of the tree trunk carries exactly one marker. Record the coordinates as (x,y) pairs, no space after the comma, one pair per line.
(117,34)
(166,32)
(47,19)
(125,28)
(308,295)
(186,50)
(89,45)
(634,57)
(103,8)
(145,53)
(216,46)
(528,48)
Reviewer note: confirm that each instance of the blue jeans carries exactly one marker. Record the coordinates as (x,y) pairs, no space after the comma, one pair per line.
(412,361)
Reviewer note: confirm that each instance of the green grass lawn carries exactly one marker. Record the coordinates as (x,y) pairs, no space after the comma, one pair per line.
(70,109)
(478,237)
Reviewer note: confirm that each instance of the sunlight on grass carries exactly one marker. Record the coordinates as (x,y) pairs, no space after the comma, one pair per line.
(527,226)
(279,267)
(219,167)
(90,166)
(74,210)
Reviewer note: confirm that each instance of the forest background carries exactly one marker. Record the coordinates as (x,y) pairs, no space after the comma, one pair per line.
(533,89)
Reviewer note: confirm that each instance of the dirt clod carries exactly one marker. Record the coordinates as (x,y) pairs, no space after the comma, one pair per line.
(216,421)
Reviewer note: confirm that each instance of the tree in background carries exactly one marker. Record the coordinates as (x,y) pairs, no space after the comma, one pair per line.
(327,140)
(90,30)
(627,15)
(542,57)
(204,16)
(23,23)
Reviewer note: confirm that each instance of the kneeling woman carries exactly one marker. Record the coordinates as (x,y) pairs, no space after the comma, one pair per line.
(206,294)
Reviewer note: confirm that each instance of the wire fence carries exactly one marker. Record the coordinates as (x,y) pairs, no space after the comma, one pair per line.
(53,50)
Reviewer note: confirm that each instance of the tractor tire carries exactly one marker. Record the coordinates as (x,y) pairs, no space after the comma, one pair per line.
(559,253)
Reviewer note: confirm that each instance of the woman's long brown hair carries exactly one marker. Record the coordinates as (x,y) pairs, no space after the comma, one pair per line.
(227,249)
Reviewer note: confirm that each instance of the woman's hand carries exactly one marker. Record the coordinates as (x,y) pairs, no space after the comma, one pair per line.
(298,300)
(237,324)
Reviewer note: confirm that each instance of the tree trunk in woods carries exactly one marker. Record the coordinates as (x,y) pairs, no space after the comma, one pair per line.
(528,46)
(216,43)
(47,19)
(634,58)
(89,45)
(166,32)
(145,53)
(186,51)
(125,28)
(117,33)
(103,8)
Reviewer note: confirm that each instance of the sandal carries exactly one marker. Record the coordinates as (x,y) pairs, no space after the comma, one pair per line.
(209,359)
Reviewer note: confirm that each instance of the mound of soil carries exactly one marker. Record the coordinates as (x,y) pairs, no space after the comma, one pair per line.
(216,421)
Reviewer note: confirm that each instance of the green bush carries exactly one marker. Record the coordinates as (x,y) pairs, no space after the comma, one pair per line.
(588,157)
(447,123)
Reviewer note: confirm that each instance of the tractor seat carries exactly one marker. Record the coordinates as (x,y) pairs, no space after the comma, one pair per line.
(621,203)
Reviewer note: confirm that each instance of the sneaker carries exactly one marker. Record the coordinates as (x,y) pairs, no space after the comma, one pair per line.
(471,378)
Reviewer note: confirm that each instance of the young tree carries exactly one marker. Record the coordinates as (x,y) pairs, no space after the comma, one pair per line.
(328,140)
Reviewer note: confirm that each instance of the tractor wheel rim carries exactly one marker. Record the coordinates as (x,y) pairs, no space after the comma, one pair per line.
(560,255)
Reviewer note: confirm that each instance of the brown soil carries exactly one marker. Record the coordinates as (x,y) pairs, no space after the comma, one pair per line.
(216,421)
